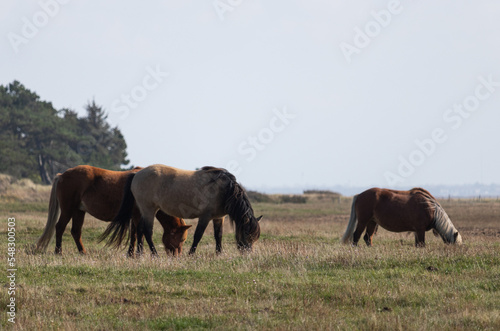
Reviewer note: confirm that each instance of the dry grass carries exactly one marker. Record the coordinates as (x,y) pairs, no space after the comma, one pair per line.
(23,190)
(298,277)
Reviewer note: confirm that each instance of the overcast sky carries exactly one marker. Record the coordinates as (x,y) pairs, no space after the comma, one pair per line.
(282,93)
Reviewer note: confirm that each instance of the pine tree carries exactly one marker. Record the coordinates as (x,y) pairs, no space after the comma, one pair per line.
(102,146)
(37,141)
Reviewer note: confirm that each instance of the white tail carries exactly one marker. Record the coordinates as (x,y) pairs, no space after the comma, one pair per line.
(351,226)
(54,212)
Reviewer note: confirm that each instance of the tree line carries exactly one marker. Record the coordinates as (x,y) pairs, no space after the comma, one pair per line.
(37,141)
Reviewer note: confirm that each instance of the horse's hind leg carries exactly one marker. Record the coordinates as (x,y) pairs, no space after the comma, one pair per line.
(145,229)
(139,233)
(371,229)
(362,222)
(76,230)
(133,235)
(218,225)
(198,233)
(63,221)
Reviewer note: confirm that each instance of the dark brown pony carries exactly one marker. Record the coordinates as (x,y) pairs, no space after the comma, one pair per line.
(99,192)
(207,194)
(398,211)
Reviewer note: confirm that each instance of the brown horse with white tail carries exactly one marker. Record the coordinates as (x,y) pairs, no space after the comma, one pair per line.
(398,211)
(85,189)
(207,194)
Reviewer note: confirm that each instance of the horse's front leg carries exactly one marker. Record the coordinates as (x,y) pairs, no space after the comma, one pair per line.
(198,233)
(419,238)
(218,226)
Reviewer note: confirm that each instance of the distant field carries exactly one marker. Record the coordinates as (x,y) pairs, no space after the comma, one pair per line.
(298,277)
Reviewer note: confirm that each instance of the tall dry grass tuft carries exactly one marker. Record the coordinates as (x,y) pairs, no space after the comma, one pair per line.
(23,190)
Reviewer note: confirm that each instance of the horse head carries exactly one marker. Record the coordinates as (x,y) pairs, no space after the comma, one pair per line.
(458,238)
(455,238)
(173,239)
(250,233)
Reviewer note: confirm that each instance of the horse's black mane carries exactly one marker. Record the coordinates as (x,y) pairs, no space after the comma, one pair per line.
(237,204)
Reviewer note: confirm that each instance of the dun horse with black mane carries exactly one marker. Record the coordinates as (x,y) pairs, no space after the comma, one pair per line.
(398,211)
(99,192)
(207,194)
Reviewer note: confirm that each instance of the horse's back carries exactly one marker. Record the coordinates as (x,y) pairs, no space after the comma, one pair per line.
(394,210)
(401,196)
(94,190)
(86,173)
(161,175)
(158,182)
(75,181)
(171,178)
(178,192)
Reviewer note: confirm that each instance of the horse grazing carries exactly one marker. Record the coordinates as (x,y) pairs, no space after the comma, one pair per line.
(398,211)
(207,194)
(99,192)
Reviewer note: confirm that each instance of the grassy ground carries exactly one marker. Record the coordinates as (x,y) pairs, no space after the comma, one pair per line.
(298,277)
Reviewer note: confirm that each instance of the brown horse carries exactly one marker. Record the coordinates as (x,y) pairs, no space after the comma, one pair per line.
(99,192)
(398,211)
(206,194)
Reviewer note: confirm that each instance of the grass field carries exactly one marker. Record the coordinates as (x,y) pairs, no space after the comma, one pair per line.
(298,277)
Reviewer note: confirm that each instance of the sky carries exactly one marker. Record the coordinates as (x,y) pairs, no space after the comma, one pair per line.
(289,94)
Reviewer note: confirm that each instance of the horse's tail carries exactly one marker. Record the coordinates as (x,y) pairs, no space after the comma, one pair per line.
(353,221)
(118,228)
(54,212)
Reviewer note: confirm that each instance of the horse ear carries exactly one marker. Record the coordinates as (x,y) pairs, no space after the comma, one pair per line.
(455,235)
(259,218)
(181,229)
